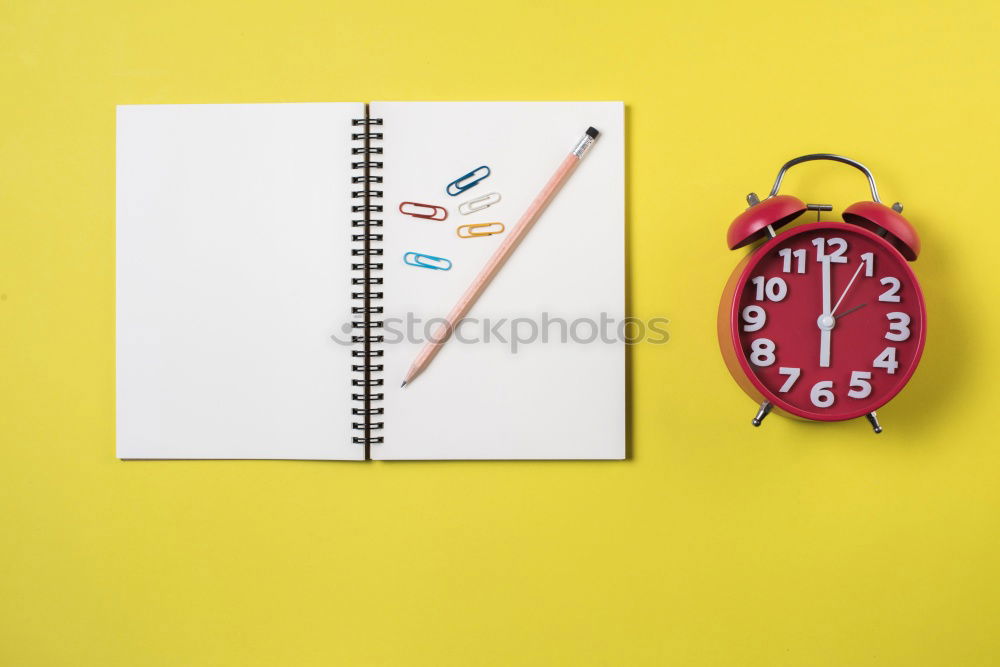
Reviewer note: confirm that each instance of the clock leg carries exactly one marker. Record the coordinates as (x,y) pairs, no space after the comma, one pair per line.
(765,409)
(873,420)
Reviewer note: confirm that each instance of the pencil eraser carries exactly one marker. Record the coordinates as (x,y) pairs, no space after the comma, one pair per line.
(592,133)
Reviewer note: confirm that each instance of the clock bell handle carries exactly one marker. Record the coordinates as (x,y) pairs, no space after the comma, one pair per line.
(826,156)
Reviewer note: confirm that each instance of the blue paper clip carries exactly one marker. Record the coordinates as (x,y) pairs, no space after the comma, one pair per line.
(463,183)
(427,261)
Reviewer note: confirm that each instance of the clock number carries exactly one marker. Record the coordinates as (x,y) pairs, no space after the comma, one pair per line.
(793,376)
(755,318)
(899,327)
(887,360)
(868,259)
(800,256)
(821,394)
(892,294)
(762,352)
(836,256)
(860,385)
(774,289)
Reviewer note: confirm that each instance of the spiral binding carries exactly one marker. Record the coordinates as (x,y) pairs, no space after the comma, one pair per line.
(363,255)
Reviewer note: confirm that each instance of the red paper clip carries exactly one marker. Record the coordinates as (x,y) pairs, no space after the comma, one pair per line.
(428,211)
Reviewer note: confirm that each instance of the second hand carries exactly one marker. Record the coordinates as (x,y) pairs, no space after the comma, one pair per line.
(847,289)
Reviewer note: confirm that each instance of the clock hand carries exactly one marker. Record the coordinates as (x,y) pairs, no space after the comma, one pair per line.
(848,288)
(825,320)
(847,312)
(824,345)
(826,287)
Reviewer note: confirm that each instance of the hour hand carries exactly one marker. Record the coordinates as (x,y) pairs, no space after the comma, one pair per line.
(824,348)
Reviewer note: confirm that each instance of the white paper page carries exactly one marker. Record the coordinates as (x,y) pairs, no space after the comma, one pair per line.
(233,271)
(555,400)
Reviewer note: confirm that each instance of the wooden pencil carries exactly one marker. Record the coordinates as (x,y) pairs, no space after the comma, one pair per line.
(496,262)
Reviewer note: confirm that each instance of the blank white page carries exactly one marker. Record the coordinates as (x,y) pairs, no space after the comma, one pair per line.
(233,272)
(554,400)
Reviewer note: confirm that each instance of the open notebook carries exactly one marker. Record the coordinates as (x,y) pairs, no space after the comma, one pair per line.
(265,311)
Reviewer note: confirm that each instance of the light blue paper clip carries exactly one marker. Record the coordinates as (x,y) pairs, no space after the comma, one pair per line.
(463,183)
(427,261)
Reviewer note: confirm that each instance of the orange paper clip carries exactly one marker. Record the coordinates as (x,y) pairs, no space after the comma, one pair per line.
(427,211)
(479,229)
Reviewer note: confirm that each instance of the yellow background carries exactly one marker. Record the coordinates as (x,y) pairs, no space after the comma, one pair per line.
(715,544)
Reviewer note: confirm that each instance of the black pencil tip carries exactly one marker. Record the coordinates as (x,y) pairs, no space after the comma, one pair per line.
(404,384)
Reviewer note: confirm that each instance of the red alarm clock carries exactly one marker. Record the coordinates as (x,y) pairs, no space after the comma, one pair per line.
(825,320)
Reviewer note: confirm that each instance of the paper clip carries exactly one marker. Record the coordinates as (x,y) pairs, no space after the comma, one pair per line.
(479,203)
(427,261)
(428,211)
(470,230)
(463,183)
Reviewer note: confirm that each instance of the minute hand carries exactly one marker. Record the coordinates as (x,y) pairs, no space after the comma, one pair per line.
(825,321)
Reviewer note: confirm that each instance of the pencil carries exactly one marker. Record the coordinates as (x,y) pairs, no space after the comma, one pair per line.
(496,262)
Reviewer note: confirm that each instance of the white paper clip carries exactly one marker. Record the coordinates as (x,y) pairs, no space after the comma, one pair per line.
(479,203)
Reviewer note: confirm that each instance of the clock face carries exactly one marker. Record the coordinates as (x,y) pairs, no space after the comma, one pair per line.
(828,321)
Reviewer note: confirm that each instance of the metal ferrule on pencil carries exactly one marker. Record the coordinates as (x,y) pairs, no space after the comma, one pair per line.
(582,146)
